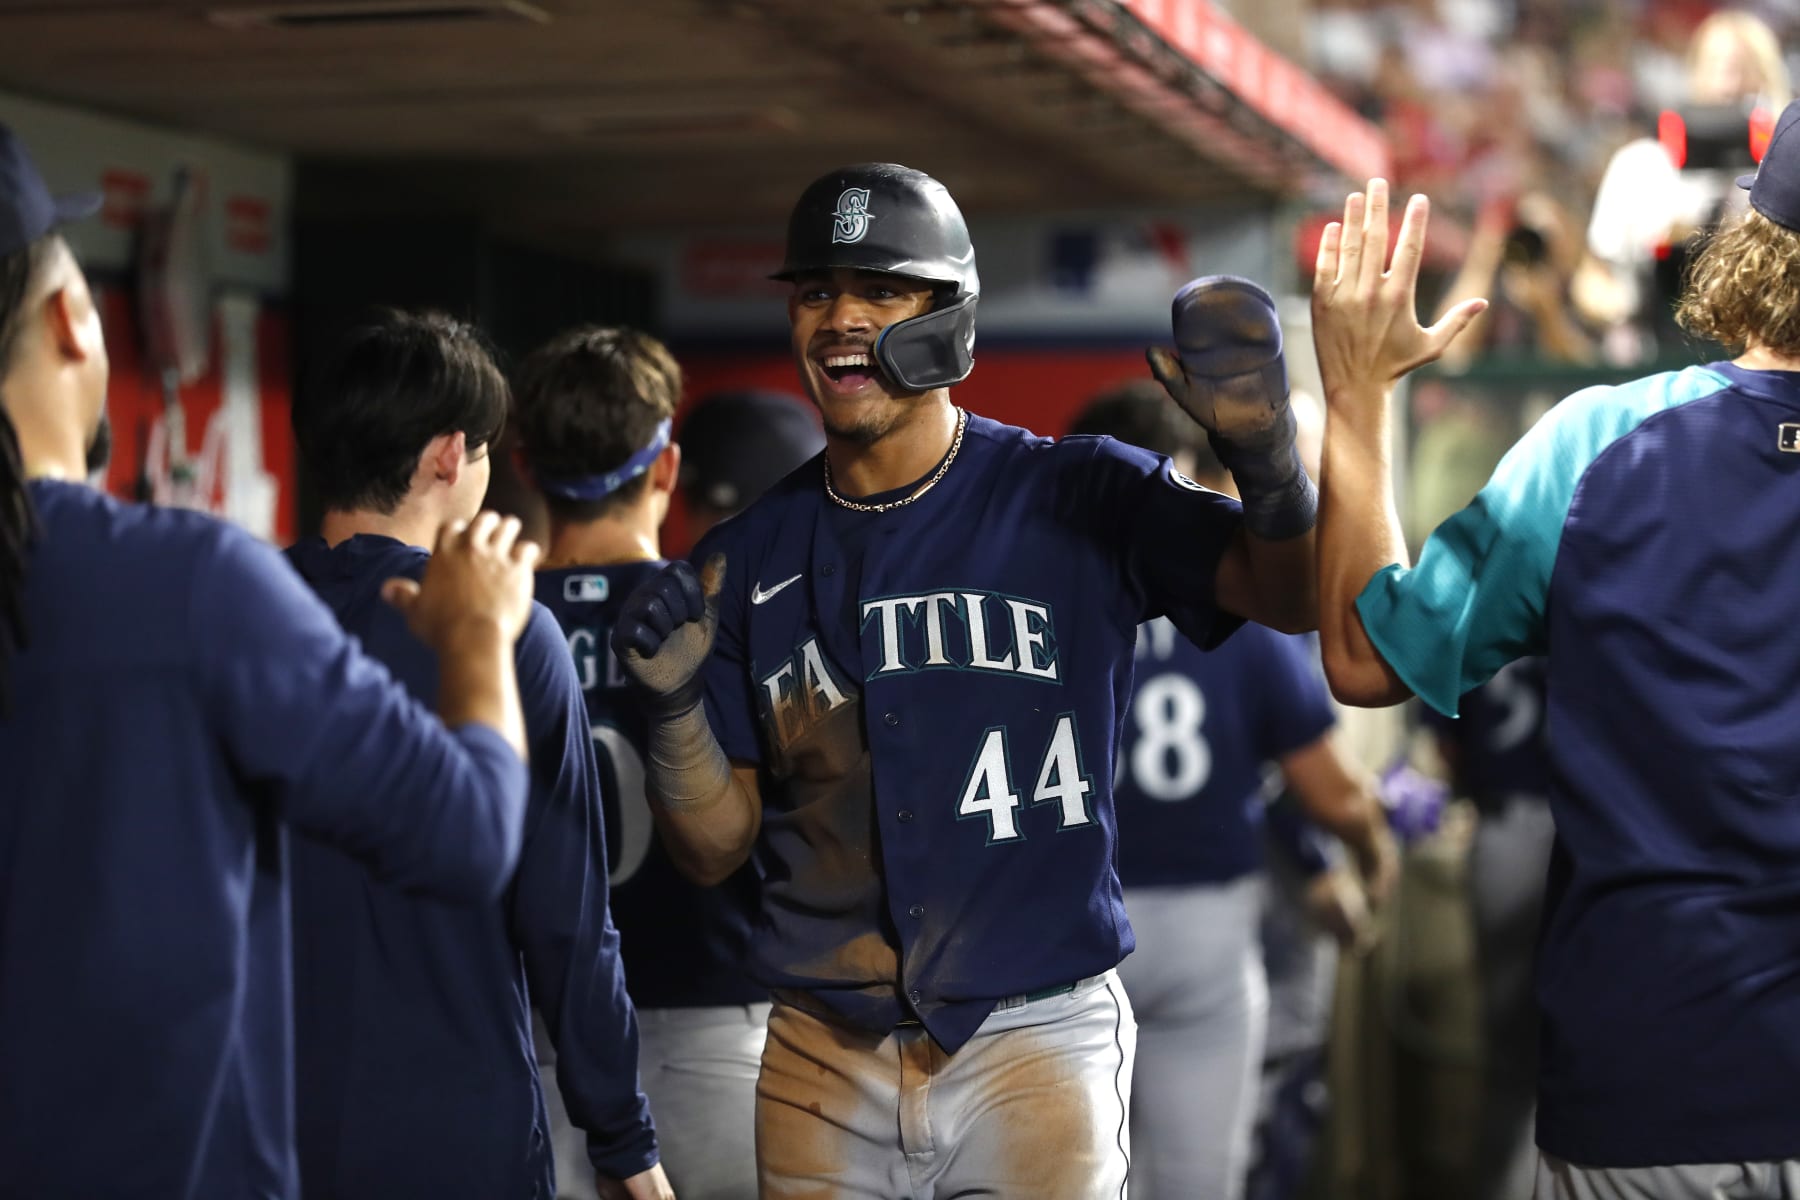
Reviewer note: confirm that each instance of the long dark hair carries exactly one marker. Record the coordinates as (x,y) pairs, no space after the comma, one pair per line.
(18,520)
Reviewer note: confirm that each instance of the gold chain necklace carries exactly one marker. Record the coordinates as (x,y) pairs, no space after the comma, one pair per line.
(962,423)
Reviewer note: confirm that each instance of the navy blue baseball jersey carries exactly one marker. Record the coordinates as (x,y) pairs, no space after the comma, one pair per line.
(684,946)
(933,695)
(1202,730)
(416,1069)
(1642,537)
(1501,738)
(182,700)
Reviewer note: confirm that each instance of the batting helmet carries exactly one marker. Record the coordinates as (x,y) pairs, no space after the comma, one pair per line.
(890,218)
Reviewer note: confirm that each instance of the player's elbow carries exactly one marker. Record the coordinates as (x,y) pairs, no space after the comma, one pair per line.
(477,847)
(492,855)
(707,870)
(706,853)
(1293,615)
(1361,682)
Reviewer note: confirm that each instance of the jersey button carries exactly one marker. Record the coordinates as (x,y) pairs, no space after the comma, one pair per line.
(915,995)
(828,570)
(891,718)
(916,911)
(904,814)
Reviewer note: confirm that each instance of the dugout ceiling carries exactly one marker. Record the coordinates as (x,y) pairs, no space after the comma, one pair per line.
(573,119)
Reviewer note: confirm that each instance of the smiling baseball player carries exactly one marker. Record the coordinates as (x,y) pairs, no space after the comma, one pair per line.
(915,653)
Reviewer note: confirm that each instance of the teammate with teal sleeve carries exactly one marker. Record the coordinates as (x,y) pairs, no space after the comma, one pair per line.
(1641,537)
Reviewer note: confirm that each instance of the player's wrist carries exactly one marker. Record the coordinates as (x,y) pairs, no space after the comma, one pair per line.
(1371,840)
(1279,498)
(470,634)
(674,704)
(1357,399)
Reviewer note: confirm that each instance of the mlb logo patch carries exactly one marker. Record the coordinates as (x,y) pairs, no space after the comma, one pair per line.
(1787,438)
(591,589)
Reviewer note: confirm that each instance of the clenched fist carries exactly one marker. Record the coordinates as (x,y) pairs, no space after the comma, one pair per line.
(665,632)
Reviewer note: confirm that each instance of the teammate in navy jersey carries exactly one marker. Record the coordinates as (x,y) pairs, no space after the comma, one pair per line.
(595,406)
(1201,730)
(172,701)
(923,654)
(1640,537)
(1497,752)
(417,1075)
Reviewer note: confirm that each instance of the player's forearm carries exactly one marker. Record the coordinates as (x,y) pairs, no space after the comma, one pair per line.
(477,683)
(1334,792)
(708,820)
(1352,813)
(1285,577)
(1358,535)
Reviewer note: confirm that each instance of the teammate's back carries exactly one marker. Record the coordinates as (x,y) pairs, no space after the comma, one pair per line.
(411,1015)
(1641,538)
(595,407)
(684,946)
(1672,710)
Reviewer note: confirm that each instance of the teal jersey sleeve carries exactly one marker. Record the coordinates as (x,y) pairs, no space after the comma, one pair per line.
(1476,600)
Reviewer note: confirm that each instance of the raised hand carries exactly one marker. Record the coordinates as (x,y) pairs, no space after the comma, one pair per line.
(479,572)
(1365,313)
(666,629)
(1227,371)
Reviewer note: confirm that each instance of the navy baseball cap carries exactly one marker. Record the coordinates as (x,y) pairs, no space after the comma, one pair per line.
(27,209)
(737,445)
(1775,187)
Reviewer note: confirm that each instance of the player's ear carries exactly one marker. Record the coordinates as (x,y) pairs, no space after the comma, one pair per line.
(666,470)
(70,313)
(445,456)
(65,321)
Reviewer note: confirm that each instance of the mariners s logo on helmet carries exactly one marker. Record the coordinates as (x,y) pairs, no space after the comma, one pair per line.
(853,215)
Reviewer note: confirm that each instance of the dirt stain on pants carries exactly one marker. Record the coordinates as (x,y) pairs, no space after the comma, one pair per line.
(1032,1107)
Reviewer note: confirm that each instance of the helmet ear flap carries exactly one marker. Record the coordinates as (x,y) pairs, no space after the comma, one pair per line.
(932,350)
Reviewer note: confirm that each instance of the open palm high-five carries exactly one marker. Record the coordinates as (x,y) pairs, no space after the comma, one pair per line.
(1367,334)
(1365,312)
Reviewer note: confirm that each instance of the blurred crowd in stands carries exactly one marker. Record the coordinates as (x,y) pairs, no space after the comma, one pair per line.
(1572,149)
(1535,122)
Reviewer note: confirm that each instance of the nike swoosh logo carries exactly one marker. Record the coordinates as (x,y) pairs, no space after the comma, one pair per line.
(758,596)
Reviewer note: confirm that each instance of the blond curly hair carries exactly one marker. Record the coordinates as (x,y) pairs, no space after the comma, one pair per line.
(1743,288)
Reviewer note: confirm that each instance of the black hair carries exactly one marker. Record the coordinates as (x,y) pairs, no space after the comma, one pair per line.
(588,400)
(393,383)
(19,272)
(1140,413)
